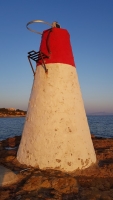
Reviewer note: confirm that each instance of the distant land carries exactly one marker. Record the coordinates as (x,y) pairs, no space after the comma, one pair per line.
(12,112)
(100,113)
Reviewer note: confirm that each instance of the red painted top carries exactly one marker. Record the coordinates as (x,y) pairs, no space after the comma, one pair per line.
(55,43)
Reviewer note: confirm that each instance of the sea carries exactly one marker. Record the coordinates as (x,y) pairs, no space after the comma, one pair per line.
(100,126)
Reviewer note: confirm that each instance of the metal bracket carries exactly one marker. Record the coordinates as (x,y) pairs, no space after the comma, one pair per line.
(37,56)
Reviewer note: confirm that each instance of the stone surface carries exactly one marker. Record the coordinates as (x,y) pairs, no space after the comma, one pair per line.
(7,176)
(94,183)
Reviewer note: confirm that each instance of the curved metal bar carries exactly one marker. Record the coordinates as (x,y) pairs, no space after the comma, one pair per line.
(36,21)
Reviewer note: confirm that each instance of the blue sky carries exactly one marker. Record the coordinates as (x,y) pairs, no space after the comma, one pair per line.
(90,24)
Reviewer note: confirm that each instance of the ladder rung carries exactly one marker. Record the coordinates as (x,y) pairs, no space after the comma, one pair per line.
(36,55)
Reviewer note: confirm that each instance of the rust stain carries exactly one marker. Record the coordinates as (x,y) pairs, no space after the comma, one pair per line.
(82,162)
(58,160)
(69,129)
(87,161)
(69,163)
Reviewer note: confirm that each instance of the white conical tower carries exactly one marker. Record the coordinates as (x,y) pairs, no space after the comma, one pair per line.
(56,133)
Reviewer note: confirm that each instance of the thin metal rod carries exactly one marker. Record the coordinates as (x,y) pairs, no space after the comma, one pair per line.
(31,66)
(35,21)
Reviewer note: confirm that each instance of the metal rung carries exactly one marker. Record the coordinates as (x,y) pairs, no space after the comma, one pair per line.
(37,55)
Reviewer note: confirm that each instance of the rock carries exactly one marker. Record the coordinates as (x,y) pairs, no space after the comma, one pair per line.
(111,193)
(4,195)
(65,185)
(90,193)
(7,176)
(46,184)
(9,158)
(93,136)
(105,196)
(3,153)
(12,142)
(18,197)
(33,183)
(93,183)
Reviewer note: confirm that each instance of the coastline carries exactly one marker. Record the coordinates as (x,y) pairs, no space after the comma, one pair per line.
(11,116)
(12,112)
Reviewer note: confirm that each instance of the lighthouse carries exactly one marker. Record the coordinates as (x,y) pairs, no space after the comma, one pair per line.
(56,134)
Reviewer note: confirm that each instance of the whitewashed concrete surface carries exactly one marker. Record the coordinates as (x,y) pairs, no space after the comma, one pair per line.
(56,133)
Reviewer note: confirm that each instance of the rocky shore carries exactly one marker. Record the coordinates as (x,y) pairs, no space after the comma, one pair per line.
(95,183)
